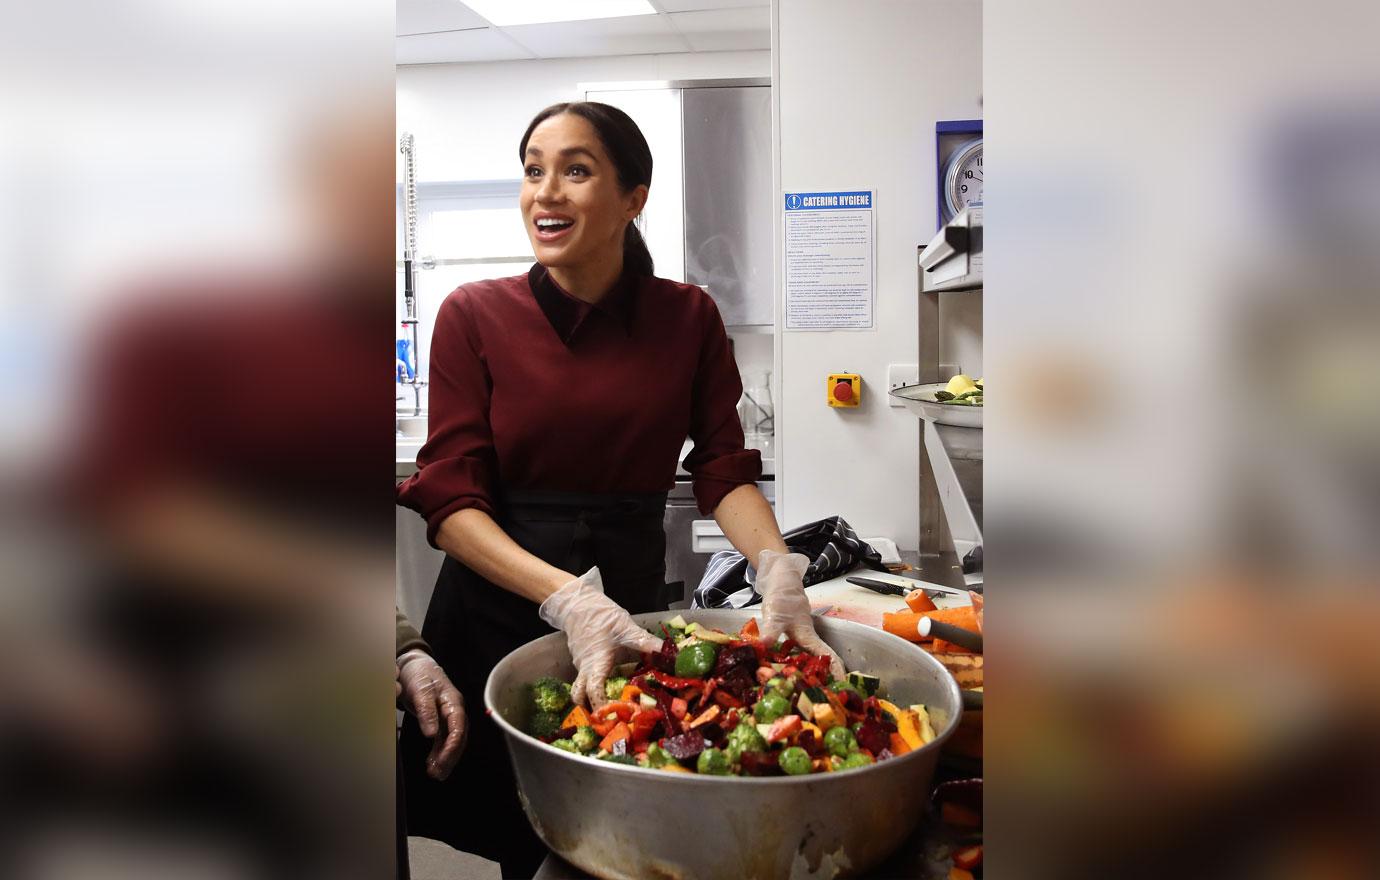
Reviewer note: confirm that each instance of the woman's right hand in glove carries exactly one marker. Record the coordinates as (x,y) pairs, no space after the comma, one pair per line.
(596,628)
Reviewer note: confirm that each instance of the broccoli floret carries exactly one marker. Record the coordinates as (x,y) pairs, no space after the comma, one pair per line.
(744,738)
(657,756)
(613,687)
(713,762)
(619,759)
(544,724)
(585,739)
(566,745)
(550,694)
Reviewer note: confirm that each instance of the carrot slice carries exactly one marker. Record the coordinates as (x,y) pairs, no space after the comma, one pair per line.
(919,601)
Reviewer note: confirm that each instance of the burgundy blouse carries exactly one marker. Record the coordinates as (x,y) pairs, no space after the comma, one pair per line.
(532,388)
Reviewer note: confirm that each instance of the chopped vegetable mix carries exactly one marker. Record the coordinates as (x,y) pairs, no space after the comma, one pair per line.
(730,705)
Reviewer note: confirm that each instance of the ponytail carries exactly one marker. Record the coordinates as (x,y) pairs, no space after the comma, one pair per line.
(636,258)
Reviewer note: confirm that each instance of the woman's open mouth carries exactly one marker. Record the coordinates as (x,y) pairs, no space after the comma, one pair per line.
(550,227)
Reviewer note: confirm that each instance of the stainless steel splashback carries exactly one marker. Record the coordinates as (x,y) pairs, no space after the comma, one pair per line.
(728,199)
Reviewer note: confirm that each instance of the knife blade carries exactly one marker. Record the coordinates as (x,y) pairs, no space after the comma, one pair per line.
(892,588)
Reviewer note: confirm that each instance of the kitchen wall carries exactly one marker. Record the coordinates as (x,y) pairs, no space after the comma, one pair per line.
(859,87)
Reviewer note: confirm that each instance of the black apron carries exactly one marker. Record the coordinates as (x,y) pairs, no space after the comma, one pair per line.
(471,624)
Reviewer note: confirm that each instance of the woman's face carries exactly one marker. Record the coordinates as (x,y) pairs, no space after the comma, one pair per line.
(571,202)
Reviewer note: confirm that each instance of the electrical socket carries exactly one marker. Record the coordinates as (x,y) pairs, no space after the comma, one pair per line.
(898,376)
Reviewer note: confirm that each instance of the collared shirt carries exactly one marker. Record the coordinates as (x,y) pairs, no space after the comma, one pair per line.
(531,388)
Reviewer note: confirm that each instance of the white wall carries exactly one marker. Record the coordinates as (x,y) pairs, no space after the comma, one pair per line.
(859,87)
(467,118)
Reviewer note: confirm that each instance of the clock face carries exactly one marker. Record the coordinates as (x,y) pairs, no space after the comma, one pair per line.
(963,182)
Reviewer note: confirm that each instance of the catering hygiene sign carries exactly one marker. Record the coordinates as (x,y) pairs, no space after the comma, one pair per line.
(830,260)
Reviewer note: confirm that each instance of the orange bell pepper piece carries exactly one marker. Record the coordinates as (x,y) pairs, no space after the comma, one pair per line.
(619,732)
(630,693)
(749,630)
(899,746)
(578,717)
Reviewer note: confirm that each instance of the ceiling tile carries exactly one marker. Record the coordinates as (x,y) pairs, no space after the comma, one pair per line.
(722,30)
(472,45)
(694,5)
(633,35)
(429,16)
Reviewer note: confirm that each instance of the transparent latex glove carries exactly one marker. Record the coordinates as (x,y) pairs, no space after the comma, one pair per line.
(596,627)
(440,709)
(785,608)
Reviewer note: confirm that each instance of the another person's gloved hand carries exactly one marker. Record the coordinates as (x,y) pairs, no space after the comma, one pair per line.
(785,608)
(428,694)
(596,627)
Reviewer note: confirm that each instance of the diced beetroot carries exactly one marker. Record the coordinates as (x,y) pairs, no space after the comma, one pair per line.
(685,747)
(851,701)
(873,737)
(665,659)
(564,733)
(739,683)
(760,764)
(813,745)
(732,657)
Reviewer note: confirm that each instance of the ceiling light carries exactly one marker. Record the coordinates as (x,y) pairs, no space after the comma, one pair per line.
(505,13)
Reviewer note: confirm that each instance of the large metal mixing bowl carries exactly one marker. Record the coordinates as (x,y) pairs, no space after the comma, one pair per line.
(617,821)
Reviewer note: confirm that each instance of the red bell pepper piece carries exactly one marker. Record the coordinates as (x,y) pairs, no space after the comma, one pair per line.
(602,727)
(968,858)
(783,727)
(618,708)
(679,707)
(643,723)
(674,682)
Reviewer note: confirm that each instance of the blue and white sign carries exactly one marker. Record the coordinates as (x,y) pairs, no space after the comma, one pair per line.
(830,260)
(828,201)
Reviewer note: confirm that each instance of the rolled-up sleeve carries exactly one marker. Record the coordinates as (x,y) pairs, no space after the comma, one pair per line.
(718,463)
(456,465)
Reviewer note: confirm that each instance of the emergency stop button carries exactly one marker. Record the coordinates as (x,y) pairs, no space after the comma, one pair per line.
(843,389)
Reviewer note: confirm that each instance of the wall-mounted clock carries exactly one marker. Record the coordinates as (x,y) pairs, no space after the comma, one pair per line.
(958,166)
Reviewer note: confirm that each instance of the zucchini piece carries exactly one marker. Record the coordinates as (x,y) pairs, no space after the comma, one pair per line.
(816,695)
(646,702)
(942,396)
(676,622)
(706,634)
(976,392)
(868,684)
(691,627)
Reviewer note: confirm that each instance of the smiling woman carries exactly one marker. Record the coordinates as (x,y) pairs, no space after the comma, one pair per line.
(560,400)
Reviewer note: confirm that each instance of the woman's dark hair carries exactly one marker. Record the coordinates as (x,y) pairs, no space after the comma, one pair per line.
(631,157)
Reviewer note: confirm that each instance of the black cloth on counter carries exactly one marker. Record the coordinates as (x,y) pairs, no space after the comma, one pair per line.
(832,545)
(472,624)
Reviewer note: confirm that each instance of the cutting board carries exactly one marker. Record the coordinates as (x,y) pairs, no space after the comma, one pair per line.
(852,602)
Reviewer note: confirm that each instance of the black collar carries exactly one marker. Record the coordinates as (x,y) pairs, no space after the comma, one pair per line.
(567,314)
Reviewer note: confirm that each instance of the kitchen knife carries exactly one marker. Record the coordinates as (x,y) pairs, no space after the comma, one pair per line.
(893,588)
